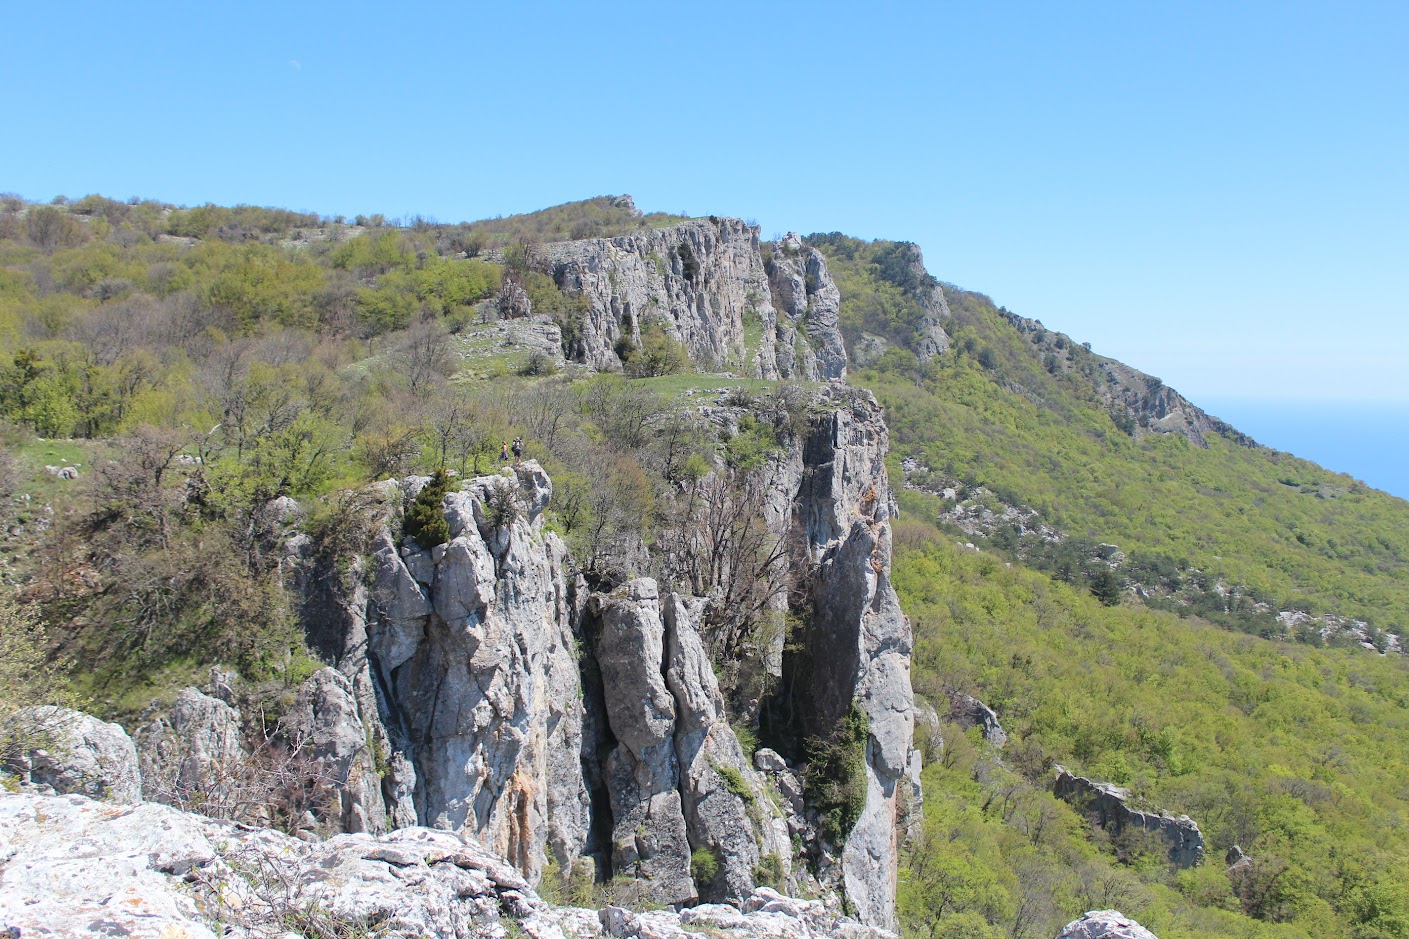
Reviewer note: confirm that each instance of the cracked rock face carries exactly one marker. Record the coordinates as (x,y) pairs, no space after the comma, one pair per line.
(477,688)
(192,748)
(678,779)
(808,326)
(706,284)
(475,641)
(855,647)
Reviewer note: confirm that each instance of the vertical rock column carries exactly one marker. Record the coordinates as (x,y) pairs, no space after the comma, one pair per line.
(649,839)
(855,646)
(476,639)
(679,782)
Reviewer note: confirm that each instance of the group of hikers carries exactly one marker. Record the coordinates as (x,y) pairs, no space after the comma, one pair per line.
(516,446)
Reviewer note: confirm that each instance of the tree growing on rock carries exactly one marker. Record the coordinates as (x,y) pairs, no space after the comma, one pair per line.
(425,519)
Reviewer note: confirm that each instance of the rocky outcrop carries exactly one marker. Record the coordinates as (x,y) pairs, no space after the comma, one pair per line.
(479,687)
(192,750)
(67,751)
(968,711)
(854,646)
(1104,924)
(1106,805)
(643,771)
(325,724)
(376,782)
(74,867)
(704,282)
(930,336)
(677,777)
(1140,404)
(1154,407)
(808,342)
(474,642)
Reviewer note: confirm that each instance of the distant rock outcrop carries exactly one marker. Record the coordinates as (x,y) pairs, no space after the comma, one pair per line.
(968,711)
(808,341)
(705,283)
(1106,804)
(1104,924)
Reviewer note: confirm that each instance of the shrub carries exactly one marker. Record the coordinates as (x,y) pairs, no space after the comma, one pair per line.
(835,779)
(769,872)
(658,355)
(502,505)
(703,865)
(734,781)
(425,520)
(538,363)
(26,678)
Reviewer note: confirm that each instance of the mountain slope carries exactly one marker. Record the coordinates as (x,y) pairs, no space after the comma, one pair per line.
(1104,453)
(232,386)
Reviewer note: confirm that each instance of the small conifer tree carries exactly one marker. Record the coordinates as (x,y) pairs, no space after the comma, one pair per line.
(425,520)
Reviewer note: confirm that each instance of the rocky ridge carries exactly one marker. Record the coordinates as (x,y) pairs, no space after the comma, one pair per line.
(481,687)
(982,514)
(1140,403)
(706,283)
(1108,806)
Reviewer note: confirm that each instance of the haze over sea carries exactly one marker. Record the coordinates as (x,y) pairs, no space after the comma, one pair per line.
(1368,440)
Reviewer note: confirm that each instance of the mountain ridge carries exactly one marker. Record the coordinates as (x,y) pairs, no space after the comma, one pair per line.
(753,501)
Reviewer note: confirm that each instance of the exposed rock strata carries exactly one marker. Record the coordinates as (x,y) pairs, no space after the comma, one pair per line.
(706,284)
(75,867)
(1107,805)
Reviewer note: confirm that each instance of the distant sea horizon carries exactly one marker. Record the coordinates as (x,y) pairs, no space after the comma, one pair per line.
(1366,440)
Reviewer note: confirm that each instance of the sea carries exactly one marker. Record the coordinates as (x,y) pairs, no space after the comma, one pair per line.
(1369,441)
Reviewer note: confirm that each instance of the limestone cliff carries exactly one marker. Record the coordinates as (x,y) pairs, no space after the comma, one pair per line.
(481,687)
(706,283)
(854,646)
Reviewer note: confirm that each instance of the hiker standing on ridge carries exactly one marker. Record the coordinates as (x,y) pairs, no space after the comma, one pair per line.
(504,450)
(518,450)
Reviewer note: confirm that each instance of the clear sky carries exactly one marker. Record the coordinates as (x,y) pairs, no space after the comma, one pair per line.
(1217,193)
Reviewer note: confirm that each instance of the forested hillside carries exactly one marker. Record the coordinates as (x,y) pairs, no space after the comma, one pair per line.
(1102,564)
(1019,415)
(192,366)
(1142,594)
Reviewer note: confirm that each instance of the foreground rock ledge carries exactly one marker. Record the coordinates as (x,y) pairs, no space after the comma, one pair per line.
(70,866)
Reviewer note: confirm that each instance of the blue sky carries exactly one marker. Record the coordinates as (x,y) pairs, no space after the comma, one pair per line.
(1216,193)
